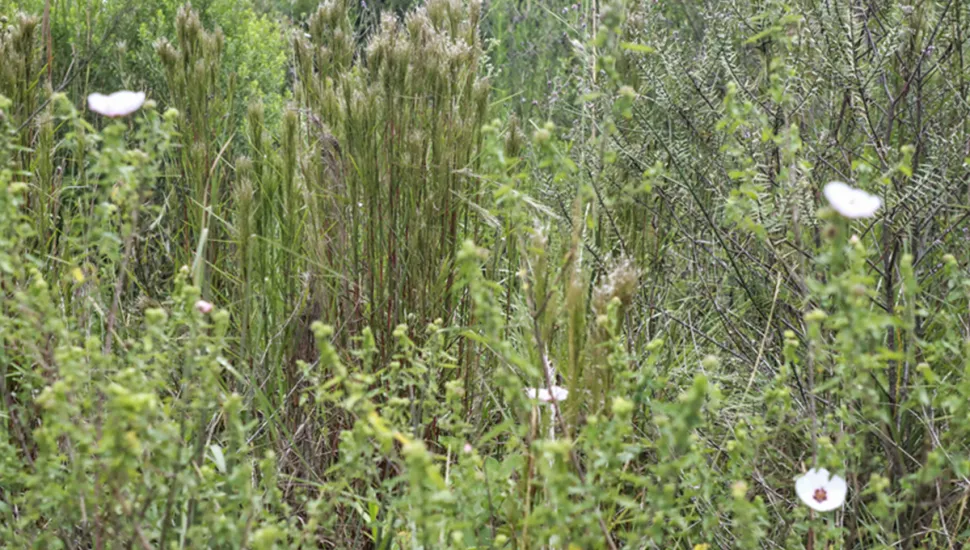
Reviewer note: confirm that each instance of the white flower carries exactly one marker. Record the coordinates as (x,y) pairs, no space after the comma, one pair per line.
(851,202)
(821,491)
(118,104)
(546,396)
(203,307)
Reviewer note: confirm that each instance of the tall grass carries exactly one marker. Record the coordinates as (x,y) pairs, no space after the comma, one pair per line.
(407,118)
(402,256)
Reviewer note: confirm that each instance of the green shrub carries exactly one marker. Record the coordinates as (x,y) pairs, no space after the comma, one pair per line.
(376,317)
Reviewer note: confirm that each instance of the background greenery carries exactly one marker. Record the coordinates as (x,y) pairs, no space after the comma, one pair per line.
(406,214)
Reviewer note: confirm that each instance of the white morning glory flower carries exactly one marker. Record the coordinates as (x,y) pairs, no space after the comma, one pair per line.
(116,105)
(204,307)
(546,396)
(851,202)
(820,490)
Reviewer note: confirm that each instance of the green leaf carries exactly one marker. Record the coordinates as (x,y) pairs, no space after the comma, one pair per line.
(637,48)
(763,34)
(494,432)
(218,457)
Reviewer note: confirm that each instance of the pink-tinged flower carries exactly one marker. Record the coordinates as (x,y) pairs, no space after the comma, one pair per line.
(544,395)
(468,448)
(851,202)
(116,105)
(821,491)
(203,307)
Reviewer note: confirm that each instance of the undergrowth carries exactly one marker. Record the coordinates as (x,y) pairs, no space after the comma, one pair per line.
(514,275)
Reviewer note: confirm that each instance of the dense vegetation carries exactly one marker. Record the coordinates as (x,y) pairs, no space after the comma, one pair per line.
(521,274)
